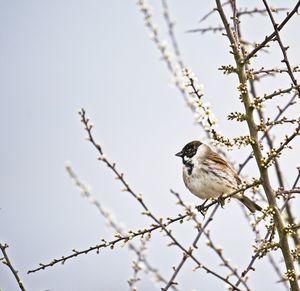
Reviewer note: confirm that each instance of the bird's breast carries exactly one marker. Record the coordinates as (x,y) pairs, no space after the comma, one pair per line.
(208,183)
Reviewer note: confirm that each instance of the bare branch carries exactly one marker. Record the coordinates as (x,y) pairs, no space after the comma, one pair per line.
(273,34)
(252,127)
(170,24)
(274,153)
(206,29)
(212,11)
(258,11)
(6,261)
(260,252)
(282,47)
(210,243)
(171,282)
(159,221)
(281,111)
(92,199)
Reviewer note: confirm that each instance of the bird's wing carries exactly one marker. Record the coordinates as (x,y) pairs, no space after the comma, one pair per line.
(219,160)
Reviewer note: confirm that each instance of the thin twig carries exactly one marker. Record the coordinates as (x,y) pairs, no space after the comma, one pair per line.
(170,25)
(282,47)
(289,193)
(120,176)
(253,131)
(210,243)
(258,11)
(281,111)
(136,266)
(92,199)
(159,221)
(274,153)
(6,261)
(255,257)
(212,11)
(271,36)
(206,29)
(274,71)
(171,282)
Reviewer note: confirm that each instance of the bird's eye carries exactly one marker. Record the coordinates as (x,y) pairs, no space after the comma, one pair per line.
(189,153)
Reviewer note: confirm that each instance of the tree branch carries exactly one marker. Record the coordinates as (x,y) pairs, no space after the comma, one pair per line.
(273,34)
(6,261)
(244,94)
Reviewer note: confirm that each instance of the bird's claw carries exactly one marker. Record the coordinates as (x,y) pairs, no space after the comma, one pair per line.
(201,208)
(221,201)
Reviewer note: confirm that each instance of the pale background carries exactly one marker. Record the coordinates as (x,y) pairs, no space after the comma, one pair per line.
(59,56)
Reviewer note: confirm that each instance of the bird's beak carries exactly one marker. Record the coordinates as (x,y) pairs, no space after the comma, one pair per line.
(180,154)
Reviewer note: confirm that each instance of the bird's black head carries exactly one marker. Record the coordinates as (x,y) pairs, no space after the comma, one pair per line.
(189,150)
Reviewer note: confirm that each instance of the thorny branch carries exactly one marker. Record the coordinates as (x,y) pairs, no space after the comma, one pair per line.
(207,29)
(170,24)
(210,243)
(283,145)
(159,223)
(171,282)
(162,46)
(244,95)
(136,266)
(6,261)
(258,11)
(275,120)
(92,199)
(259,253)
(282,47)
(242,60)
(273,34)
(289,193)
(112,166)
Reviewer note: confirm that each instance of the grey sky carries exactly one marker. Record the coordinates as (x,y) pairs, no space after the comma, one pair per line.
(59,56)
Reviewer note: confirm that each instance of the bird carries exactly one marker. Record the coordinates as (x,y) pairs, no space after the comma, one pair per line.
(207,174)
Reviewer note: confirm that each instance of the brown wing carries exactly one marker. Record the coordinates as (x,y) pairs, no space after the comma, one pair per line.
(219,160)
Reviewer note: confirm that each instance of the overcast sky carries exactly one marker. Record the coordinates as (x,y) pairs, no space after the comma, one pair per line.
(59,56)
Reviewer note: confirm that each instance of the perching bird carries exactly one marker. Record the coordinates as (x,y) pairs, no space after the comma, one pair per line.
(207,175)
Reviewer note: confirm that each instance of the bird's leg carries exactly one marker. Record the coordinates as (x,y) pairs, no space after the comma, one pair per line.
(221,200)
(201,207)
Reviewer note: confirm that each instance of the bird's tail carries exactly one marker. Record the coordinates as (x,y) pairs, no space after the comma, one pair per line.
(252,206)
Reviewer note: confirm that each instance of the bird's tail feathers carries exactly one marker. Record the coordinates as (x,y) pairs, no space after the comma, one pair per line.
(252,206)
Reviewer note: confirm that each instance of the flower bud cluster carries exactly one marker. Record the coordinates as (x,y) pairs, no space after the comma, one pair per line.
(203,113)
(290,275)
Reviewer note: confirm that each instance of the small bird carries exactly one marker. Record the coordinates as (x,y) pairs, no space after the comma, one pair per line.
(207,175)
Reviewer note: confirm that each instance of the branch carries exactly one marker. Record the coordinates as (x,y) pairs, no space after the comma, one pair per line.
(159,221)
(280,92)
(258,11)
(252,127)
(210,243)
(6,261)
(92,199)
(132,234)
(289,193)
(282,47)
(138,197)
(161,46)
(206,29)
(136,266)
(274,71)
(171,282)
(281,111)
(274,153)
(212,11)
(259,253)
(271,36)
(170,25)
